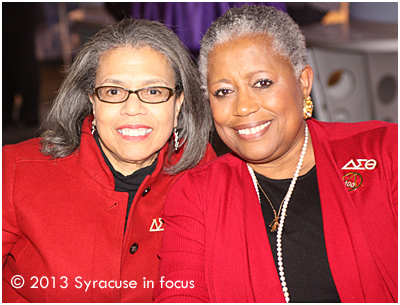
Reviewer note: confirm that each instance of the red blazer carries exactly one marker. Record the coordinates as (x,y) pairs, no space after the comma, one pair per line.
(63,224)
(215,234)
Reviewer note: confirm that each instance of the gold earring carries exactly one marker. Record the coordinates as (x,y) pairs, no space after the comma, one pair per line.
(308,108)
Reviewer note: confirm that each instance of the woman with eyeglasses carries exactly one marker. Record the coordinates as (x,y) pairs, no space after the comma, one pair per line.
(82,204)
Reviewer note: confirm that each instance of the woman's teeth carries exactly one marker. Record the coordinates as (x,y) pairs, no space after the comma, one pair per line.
(138,132)
(253,130)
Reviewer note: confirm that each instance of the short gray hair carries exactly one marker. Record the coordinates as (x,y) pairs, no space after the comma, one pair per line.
(72,104)
(288,40)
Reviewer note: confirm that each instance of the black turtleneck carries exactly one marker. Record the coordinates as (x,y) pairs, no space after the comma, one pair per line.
(129,184)
(307,271)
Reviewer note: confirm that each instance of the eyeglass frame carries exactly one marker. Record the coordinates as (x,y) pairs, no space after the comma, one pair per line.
(171,91)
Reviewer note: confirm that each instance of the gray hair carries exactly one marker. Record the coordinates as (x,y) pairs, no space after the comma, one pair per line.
(286,35)
(72,104)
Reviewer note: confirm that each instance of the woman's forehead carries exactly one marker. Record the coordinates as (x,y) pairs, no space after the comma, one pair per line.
(134,64)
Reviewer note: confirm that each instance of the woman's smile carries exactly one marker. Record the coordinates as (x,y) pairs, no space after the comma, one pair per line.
(134,132)
(252,130)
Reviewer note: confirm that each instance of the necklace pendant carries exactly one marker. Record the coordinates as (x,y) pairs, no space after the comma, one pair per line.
(274,224)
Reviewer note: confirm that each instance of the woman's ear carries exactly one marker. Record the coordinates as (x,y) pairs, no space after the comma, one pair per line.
(178,104)
(306,79)
(91,98)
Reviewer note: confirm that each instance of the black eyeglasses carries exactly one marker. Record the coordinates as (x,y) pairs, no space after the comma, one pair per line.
(151,95)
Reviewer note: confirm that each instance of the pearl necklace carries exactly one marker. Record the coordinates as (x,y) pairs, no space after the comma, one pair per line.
(283,214)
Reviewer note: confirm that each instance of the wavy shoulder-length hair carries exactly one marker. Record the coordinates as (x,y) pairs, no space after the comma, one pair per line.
(64,121)
(287,38)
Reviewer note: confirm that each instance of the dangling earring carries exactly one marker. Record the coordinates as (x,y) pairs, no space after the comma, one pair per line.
(93,127)
(176,139)
(308,108)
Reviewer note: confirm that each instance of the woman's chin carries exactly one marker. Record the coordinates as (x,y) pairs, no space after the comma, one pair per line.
(255,155)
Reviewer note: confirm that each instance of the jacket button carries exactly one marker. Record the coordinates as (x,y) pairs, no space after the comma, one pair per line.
(134,248)
(146,191)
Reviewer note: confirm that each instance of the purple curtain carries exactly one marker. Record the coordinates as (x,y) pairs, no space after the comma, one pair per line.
(189,20)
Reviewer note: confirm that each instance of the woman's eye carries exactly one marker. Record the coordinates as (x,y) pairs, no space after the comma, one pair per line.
(153,91)
(113,91)
(262,83)
(222,92)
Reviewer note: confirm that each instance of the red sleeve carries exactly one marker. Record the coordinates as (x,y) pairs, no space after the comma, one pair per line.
(392,155)
(183,246)
(11,232)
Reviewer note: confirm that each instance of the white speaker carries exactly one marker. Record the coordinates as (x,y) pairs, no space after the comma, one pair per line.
(340,91)
(355,71)
(383,79)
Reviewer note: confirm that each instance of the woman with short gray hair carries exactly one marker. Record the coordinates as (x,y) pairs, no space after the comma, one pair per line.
(82,204)
(291,214)
(287,38)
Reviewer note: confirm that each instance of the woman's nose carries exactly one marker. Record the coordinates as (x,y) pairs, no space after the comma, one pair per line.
(245,104)
(133,105)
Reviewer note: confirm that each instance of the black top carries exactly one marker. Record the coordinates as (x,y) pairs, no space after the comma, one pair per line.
(129,184)
(307,272)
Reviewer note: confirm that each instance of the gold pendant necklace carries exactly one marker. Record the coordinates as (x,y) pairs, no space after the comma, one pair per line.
(275,223)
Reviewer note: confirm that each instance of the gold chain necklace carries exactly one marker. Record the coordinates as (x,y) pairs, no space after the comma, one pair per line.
(275,223)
